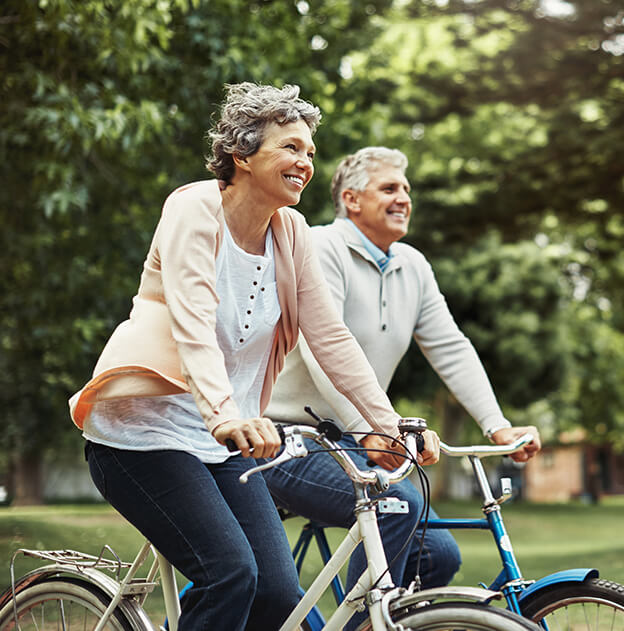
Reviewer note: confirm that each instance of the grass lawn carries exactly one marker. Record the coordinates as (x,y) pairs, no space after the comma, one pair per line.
(546,538)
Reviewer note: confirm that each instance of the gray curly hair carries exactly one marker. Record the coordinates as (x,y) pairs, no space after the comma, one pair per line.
(353,172)
(246,111)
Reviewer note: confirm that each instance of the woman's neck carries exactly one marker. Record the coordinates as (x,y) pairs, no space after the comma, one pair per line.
(247,221)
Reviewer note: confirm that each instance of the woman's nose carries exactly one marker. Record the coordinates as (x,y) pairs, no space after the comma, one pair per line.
(305,162)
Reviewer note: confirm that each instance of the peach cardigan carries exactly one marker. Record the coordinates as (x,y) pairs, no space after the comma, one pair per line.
(168,345)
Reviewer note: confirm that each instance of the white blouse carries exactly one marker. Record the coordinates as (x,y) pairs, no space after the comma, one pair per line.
(246,317)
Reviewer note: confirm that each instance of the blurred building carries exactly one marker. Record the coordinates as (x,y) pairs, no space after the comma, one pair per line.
(573,471)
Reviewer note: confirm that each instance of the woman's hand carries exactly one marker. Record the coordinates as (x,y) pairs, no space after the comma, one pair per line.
(257,433)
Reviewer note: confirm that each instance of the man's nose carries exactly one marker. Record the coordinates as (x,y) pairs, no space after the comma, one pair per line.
(404,198)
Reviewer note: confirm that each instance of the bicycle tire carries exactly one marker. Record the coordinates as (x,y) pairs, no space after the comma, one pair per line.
(464,616)
(67,603)
(592,605)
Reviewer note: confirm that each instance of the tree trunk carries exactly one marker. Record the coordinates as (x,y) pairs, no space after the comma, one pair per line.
(452,416)
(26,479)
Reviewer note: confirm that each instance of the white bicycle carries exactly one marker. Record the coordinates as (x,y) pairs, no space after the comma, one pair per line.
(76,591)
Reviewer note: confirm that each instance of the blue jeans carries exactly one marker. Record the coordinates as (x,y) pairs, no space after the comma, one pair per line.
(224,536)
(317,488)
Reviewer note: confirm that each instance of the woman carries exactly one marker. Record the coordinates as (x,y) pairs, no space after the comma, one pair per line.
(229,279)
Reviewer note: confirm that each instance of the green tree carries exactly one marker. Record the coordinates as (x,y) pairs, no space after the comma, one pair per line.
(510,113)
(511,116)
(79,144)
(104,106)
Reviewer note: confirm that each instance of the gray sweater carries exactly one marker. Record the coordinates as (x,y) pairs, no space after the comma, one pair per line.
(383,310)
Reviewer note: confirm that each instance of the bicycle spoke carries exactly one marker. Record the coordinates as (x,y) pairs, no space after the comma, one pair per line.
(63,605)
(62,615)
(585,616)
(34,620)
(554,619)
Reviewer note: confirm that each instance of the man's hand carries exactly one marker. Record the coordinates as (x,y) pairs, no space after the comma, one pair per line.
(431,452)
(259,433)
(429,455)
(509,434)
(387,461)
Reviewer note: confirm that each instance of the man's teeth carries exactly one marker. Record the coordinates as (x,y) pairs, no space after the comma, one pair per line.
(294,178)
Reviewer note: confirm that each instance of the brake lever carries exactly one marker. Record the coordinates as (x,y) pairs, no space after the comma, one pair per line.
(294,447)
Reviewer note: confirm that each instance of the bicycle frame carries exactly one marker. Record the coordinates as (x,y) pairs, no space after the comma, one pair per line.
(509,581)
(310,531)
(379,600)
(374,588)
(364,530)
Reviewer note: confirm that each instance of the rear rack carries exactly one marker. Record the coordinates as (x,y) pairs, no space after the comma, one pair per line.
(78,560)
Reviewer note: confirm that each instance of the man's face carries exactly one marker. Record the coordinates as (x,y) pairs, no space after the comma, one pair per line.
(382,210)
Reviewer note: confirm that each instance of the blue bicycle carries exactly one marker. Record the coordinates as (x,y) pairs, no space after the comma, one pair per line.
(569,600)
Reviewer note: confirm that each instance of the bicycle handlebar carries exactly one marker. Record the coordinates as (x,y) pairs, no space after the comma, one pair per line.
(411,433)
(487,450)
(294,447)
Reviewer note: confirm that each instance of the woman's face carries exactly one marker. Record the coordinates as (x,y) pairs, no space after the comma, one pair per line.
(282,166)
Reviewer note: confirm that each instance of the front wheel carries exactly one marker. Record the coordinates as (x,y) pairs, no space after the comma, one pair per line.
(66,603)
(593,605)
(464,616)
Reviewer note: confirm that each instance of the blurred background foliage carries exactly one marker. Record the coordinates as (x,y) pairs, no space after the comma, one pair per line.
(510,111)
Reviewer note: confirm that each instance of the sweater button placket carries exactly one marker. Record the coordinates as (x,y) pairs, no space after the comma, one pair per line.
(383,306)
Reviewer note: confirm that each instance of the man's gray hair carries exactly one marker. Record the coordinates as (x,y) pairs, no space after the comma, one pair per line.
(245,113)
(354,171)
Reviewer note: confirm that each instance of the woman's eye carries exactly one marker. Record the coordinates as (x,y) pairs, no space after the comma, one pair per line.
(291,146)
(311,156)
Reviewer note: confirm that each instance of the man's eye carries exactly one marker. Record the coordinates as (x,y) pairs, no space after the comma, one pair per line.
(291,146)
(311,155)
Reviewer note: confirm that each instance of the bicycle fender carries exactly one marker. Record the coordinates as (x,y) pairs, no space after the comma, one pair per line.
(88,575)
(577,575)
(460,593)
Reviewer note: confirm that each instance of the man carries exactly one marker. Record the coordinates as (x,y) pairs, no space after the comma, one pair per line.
(387,294)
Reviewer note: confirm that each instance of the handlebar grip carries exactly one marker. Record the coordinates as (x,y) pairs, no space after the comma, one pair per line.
(280,431)
(231,445)
(420,443)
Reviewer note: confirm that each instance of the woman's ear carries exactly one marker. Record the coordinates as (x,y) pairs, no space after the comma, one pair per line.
(240,162)
(350,200)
